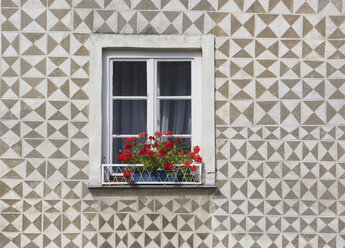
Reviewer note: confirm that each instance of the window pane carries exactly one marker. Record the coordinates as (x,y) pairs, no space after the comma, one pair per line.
(129,116)
(117,145)
(174,78)
(129,78)
(175,116)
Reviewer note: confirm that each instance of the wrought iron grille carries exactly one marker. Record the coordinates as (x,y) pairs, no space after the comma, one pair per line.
(113,175)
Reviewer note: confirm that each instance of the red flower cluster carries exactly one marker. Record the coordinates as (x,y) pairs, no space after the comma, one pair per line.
(156,154)
(168,145)
(186,163)
(161,153)
(146,150)
(194,154)
(127,146)
(168,133)
(196,149)
(143,135)
(125,156)
(158,134)
(168,166)
(127,174)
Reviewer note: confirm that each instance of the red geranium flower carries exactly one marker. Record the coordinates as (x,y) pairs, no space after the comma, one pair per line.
(197,158)
(146,146)
(168,133)
(151,138)
(191,154)
(196,149)
(181,153)
(168,166)
(193,168)
(119,157)
(168,145)
(176,140)
(161,153)
(186,163)
(143,134)
(126,155)
(156,144)
(158,134)
(127,140)
(127,146)
(134,138)
(149,153)
(127,174)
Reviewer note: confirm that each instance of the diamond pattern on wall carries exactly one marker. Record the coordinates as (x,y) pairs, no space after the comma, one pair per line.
(83,20)
(33,19)
(11,20)
(10,44)
(10,66)
(279,89)
(290,49)
(104,21)
(59,20)
(9,87)
(335,27)
(242,112)
(33,87)
(335,69)
(266,48)
(314,28)
(313,112)
(33,43)
(33,66)
(243,25)
(335,49)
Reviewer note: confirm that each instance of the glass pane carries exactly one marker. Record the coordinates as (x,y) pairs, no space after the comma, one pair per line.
(118,144)
(174,78)
(129,78)
(175,116)
(129,116)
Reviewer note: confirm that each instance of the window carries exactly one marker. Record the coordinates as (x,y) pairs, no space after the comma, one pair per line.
(148,91)
(143,85)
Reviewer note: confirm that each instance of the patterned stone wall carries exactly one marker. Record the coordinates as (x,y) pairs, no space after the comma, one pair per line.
(280,112)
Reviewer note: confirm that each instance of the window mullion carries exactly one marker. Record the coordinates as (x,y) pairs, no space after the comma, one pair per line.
(196,102)
(110,112)
(150,96)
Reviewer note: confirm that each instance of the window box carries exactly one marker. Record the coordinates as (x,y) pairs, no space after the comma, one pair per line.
(113,175)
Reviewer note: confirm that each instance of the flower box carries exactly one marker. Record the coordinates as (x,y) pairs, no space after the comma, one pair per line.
(113,175)
(157,159)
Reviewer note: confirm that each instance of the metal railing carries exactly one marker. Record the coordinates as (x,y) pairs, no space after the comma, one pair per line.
(112,174)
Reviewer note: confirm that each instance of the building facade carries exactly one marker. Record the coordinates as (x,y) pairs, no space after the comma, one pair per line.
(279,125)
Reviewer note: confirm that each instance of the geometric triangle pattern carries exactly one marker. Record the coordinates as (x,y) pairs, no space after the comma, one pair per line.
(280,132)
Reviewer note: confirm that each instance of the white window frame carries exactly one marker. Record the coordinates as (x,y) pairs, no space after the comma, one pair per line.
(198,49)
(151,57)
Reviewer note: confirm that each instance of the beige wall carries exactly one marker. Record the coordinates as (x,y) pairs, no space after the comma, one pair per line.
(280,127)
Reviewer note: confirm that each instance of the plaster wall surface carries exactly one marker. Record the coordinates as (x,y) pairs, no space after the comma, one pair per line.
(280,126)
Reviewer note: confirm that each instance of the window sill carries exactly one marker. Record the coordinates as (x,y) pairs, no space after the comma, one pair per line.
(157,186)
